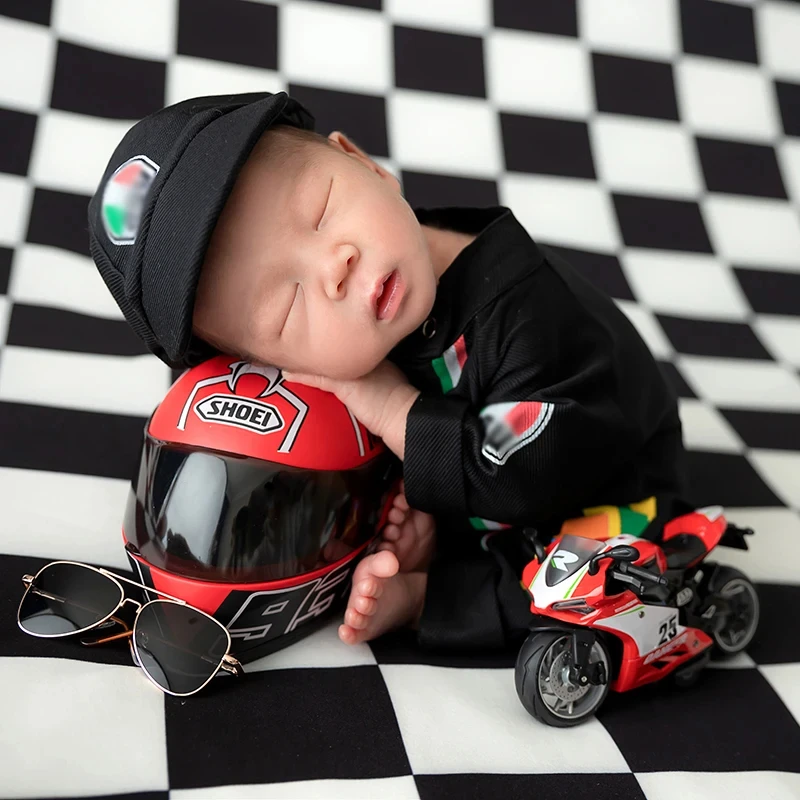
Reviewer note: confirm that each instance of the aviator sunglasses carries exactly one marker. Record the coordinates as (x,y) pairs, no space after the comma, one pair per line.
(180,648)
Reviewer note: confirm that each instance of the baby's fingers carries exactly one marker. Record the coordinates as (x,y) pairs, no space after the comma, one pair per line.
(401,502)
(397,516)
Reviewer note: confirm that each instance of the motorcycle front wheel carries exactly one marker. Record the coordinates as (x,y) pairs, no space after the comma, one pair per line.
(542,680)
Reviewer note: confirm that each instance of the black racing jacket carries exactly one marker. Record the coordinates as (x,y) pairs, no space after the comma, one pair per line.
(538,396)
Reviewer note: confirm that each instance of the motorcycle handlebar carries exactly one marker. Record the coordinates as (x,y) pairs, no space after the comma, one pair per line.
(644,575)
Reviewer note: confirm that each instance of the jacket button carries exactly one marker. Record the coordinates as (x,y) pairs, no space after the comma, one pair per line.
(429,328)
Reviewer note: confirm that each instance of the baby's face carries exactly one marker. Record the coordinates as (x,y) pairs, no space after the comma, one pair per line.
(316,265)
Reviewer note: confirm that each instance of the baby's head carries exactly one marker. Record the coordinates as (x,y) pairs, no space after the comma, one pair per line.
(317,264)
(228,222)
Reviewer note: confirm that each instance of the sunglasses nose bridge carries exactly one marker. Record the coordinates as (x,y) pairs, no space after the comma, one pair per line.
(132,602)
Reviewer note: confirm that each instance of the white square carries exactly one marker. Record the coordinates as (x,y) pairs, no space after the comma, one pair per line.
(472,16)
(31,49)
(631,27)
(71,151)
(88,382)
(781,470)
(15,200)
(66,725)
(753,231)
(642,156)
(781,335)
(777,530)
(719,785)
(777,33)
(649,329)
(785,680)
(444,134)
(538,74)
(58,278)
(80,520)
(565,211)
(195,77)
(684,284)
(788,154)
(741,383)
(704,428)
(403,787)
(138,28)
(335,47)
(721,98)
(450,718)
(323,648)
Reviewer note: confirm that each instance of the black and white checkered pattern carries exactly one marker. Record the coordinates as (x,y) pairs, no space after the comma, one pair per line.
(656,142)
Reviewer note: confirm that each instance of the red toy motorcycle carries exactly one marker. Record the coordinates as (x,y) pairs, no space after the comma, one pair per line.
(624,612)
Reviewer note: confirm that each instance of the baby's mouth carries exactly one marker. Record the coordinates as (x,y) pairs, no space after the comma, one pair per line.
(389,295)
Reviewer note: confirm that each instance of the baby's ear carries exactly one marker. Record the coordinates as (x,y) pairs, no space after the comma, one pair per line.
(348,146)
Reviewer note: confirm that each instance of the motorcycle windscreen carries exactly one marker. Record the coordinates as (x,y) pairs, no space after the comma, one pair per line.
(571,554)
(221,518)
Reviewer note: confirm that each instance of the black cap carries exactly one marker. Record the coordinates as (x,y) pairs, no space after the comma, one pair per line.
(155,208)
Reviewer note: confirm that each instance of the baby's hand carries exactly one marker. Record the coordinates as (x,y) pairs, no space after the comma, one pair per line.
(379,400)
(409,534)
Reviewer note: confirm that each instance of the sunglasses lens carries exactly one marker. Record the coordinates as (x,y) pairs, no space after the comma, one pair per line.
(179,648)
(67,598)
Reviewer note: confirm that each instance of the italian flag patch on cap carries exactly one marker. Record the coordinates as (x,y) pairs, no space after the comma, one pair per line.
(124,196)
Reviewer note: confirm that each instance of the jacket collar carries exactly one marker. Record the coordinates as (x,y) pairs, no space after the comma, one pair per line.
(501,254)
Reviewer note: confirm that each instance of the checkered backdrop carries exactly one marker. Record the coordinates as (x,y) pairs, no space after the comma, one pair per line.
(656,142)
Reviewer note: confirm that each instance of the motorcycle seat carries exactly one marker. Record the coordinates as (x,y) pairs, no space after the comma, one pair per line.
(683,549)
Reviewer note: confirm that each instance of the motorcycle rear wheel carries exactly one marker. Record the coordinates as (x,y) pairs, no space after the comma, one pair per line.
(742,622)
(542,683)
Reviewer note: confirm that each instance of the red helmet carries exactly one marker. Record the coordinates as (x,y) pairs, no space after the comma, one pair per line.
(254,500)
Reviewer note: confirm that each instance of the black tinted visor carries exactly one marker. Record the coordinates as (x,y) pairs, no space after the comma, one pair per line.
(217,517)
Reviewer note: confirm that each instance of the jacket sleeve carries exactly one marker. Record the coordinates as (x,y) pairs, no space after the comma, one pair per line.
(545,435)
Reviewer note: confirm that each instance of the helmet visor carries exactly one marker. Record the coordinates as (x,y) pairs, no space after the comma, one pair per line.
(218,517)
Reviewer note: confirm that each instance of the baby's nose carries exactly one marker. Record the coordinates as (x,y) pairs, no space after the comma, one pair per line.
(340,269)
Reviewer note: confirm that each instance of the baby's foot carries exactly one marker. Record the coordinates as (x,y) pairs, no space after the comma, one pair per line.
(409,534)
(382,598)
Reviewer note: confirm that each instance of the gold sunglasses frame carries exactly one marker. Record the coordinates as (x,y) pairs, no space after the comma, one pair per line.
(227,663)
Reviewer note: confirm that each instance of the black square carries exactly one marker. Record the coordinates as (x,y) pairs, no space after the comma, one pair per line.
(676,380)
(88,81)
(634,86)
(547,146)
(542,16)
(433,61)
(770,292)
(711,727)
(726,479)
(240,33)
(564,786)
(67,440)
(297,724)
(771,430)
(601,269)
(362,117)
(422,189)
(16,141)
(58,219)
(6,254)
(740,168)
(29,10)
(400,647)
(706,338)
(789,104)
(58,329)
(723,30)
(776,642)
(661,223)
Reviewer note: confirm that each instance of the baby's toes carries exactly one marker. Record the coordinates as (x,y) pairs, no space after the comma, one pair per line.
(355,619)
(391,533)
(397,516)
(365,605)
